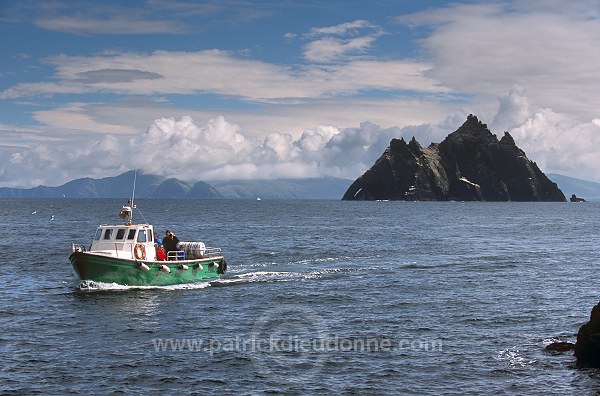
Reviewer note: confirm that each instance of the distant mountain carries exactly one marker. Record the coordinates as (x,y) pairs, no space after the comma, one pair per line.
(146,186)
(156,187)
(314,188)
(171,189)
(588,190)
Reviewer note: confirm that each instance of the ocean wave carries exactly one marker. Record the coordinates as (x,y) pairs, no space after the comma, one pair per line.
(513,357)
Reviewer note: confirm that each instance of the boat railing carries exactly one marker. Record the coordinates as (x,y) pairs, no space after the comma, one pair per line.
(207,252)
(212,252)
(176,255)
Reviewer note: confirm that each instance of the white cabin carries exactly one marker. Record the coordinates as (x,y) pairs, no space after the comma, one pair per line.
(135,242)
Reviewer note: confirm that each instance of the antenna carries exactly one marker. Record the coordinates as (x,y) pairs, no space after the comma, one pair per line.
(133,195)
(133,192)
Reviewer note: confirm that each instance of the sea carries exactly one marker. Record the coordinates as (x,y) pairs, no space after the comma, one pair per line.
(320,297)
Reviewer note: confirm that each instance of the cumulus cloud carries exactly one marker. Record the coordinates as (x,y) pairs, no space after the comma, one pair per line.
(219,149)
(559,144)
(513,110)
(171,147)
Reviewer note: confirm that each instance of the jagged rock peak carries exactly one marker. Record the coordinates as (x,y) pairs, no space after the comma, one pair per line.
(397,146)
(507,139)
(414,145)
(472,131)
(473,123)
(469,164)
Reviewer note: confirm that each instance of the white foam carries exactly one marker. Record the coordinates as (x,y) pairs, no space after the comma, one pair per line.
(101,286)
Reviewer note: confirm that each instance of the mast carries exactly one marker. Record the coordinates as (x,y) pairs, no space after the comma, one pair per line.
(127,210)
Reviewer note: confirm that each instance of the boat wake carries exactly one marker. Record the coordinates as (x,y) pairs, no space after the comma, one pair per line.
(262,276)
(91,286)
(227,280)
(275,276)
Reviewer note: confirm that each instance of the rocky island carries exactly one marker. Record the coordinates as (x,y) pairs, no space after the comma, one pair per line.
(471,164)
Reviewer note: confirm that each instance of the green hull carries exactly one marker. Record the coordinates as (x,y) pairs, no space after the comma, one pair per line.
(105,269)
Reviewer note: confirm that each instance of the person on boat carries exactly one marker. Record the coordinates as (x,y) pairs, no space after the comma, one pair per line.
(180,252)
(157,238)
(160,252)
(170,243)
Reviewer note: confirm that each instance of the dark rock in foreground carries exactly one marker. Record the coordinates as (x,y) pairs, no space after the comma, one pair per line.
(469,165)
(587,347)
(560,346)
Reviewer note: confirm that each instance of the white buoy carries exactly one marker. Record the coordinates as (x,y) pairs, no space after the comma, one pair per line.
(165,269)
(143,267)
(183,267)
(199,266)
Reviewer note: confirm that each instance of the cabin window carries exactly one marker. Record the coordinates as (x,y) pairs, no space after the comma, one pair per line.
(121,233)
(98,234)
(131,234)
(108,233)
(141,236)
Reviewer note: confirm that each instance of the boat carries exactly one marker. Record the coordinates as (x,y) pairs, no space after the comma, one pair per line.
(125,254)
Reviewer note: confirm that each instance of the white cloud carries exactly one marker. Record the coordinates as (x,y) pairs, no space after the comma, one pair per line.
(549,48)
(334,43)
(513,111)
(219,149)
(527,67)
(352,28)
(17,136)
(330,49)
(127,18)
(171,146)
(219,72)
(71,117)
(277,147)
(559,144)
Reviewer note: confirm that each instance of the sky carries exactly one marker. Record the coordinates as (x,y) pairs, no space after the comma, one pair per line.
(248,89)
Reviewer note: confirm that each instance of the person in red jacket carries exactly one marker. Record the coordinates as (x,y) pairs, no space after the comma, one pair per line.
(160,253)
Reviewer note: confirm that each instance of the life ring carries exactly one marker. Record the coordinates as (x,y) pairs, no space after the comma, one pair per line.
(139,251)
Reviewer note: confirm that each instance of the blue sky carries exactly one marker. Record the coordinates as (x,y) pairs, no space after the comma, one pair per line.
(266,89)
